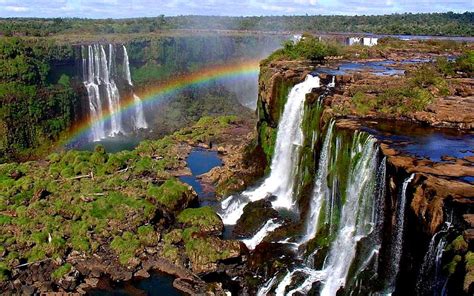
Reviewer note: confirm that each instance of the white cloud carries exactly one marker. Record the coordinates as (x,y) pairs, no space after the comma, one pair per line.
(134,8)
(16,8)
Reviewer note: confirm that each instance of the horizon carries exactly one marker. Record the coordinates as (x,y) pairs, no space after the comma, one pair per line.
(115,9)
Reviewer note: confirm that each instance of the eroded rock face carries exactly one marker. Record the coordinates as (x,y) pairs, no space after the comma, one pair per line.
(437,189)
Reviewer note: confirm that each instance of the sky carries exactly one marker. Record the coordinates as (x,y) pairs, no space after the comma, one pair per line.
(143,8)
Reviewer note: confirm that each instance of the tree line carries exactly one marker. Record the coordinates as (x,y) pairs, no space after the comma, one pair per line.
(446,24)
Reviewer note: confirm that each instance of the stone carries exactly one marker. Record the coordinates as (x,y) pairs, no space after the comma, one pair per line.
(142,274)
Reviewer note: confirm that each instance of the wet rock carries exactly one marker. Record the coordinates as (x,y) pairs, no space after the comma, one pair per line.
(254,216)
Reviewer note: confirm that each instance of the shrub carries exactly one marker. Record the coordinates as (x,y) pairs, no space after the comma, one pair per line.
(309,48)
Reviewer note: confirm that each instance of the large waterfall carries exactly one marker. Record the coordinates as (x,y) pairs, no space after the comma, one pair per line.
(344,214)
(349,209)
(99,72)
(280,182)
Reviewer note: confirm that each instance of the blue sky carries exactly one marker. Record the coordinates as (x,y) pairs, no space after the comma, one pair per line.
(134,8)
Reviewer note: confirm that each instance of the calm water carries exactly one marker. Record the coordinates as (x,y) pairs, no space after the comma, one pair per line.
(201,161)
(157,284)
(424,142)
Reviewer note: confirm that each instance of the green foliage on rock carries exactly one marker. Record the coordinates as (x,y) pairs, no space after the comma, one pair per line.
(61,271)
(125,246)
(170,193)
(205,218)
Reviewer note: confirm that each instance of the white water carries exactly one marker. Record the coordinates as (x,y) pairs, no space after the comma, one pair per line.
(139,120)
(99,72)
(321,190)
(268,227)
(430,272)
(92,82)
(112,92)
(289,138)
(397,244)
(356,217)
(126,66)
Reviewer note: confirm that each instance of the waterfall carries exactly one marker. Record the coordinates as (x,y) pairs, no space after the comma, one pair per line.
(429,277)
(321,190)
(92,82)
(113,95)
(269,226)
(283,168)
(98,65)
(397,243)
(356,219)
(126,66)
(139,120)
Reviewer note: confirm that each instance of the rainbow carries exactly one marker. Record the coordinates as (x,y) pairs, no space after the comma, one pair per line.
(159,92)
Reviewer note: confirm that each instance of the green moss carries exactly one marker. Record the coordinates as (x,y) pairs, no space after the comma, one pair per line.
(80,244)
(204,217)
(4,272)
(453,264)
(125,246)
(173,237)
(169,194)
(458,245)
(61,271)
(147,235)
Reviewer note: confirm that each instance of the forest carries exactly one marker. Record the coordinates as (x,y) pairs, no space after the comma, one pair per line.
(438,24)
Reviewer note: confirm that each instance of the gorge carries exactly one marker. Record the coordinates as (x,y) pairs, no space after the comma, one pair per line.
(353,177)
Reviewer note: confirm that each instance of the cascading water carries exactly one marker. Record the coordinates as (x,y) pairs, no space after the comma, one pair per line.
(289,138)
(92,82)
(356,218)
(112,92)
(397,244)
(430,278)
(321,190)
(126,66)
(140,121)
(99,72)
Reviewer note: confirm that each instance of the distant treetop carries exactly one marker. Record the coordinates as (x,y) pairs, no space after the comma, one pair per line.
(436,24)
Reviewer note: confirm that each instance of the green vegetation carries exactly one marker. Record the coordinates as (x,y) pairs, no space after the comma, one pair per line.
(33,109)
(308,48)
(411,93)
(61,271)
(422,24)
(45,212)
(205,218)
(125,246)
(172,194)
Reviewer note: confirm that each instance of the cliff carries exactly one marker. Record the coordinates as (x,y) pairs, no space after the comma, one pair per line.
(441,191)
